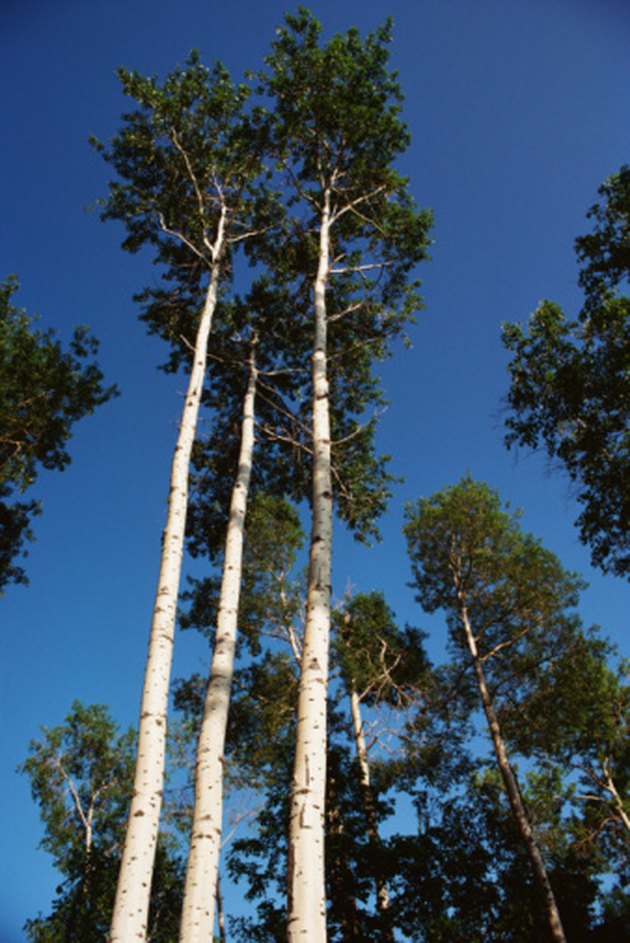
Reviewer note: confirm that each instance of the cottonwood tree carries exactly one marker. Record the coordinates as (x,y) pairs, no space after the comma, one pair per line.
(44,390)
(570,381)
(188,187)
(507,601)
(355,237)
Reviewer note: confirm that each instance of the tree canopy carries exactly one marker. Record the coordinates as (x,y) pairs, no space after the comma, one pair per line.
(570,381)
(44,390)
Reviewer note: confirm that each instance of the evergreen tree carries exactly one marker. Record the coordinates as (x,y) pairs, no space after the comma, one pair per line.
(506,600)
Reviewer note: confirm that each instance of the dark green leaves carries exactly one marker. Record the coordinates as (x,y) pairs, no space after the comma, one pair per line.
(570,382)
(44,390)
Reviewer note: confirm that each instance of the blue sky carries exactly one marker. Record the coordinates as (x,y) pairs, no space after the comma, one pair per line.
(517,112)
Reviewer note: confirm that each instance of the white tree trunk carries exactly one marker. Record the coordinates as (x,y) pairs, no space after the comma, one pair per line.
(131,908)
(369,810)
(197,923)
(511,786)
(306,891)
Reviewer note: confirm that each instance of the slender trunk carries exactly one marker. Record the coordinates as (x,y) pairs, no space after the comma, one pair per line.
(306,904)
(617,800)
(511,787)
(369,810)
(131,908)
(197,923)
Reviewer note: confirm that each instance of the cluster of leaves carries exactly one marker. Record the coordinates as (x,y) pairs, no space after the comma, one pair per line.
(44,390)
(570,381)
(81,773)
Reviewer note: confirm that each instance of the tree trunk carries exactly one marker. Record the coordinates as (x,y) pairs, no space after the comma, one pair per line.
(511,787)
(369,810)
(609,785)
(197,923)
(131,908)
(306,906)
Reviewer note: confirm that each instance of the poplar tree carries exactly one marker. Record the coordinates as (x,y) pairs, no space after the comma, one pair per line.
(189,188)
(356,235)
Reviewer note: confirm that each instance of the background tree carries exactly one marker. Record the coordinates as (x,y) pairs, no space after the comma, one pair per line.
(44,390)
(81,773)
(570,381)
(379,665)
(507,601)
(574,723)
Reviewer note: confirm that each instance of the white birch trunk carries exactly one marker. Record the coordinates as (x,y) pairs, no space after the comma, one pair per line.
(201,888)
(306,890)
(511,786)
(369,809)
(131,908)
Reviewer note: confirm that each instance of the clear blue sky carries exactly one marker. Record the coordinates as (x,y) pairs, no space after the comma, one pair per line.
(518,111)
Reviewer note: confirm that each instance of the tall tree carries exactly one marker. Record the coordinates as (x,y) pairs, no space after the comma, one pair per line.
(44,390)
(506,600)
(188,170)
(336,132)
(81,773)
(570,381)
(203,861)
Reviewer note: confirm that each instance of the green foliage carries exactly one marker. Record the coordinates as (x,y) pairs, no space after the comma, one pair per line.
(570,381)
(465,548)
(335,132)
(271,597)
(190,186)
(44,390)
(557,702)
(377,659)
(81,774)
(575,722)
(604,254)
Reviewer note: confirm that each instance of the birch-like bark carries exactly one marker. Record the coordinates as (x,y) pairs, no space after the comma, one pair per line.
(617,800)
(511,786)
(306,891)
(369,810)
(200,891)
(131,907)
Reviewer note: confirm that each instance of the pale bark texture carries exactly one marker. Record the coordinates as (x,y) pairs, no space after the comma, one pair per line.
(511,786)
(201,888)
(131,908)
(369,809)
(306,882)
